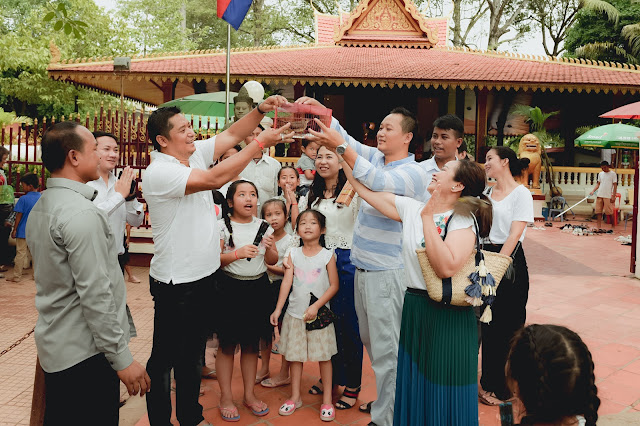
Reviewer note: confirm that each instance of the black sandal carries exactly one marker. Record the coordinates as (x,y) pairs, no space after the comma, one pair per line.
(342,405)
(367,408)
(315,390)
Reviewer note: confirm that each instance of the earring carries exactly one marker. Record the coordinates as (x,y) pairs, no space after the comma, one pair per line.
(453,188)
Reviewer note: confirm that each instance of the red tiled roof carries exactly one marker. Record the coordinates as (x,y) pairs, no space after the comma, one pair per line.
(441,25)
(326,26)
(371,65)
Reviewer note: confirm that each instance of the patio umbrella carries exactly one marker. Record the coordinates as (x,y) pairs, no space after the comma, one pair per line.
(611,136)
(629,112)
(204,104)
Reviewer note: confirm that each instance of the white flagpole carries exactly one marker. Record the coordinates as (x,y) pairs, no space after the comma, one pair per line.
(228,84)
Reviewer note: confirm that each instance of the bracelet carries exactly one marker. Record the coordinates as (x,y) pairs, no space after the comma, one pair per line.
(260,144)
(294,204)
(259,110)
(235,253)
(341,160)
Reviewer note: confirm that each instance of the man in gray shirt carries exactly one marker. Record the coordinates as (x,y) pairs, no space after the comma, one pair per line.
(82,332)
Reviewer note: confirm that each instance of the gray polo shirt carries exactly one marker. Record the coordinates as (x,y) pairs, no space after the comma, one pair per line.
(80,290)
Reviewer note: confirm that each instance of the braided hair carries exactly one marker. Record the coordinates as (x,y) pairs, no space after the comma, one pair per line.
(551,369)
(231,192)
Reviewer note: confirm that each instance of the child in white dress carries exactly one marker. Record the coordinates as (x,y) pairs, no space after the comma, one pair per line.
(312,271)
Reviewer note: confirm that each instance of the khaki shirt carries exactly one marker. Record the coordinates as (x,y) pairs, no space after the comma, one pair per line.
(80,290)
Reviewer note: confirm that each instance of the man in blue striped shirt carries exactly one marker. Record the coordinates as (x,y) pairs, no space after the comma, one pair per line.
(377,240)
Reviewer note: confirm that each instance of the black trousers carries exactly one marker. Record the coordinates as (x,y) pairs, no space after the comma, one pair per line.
(5,231)
(87,393)
(509,314)
(179,336)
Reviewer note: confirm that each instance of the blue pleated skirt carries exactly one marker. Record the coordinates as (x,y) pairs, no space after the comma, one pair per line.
(437,380)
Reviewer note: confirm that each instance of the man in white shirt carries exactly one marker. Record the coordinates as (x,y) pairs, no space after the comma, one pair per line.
(177,187)
(262,171)
(114,197)
(606,188)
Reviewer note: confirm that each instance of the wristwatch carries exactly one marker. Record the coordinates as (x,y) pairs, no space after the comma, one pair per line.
(340,149)
(258,108)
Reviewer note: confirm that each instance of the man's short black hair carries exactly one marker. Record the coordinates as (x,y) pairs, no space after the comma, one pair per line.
(450,122)
(57,141)
(30,179)
(99,134)
(604,163)
(409,122)
(462,148)
(158,124)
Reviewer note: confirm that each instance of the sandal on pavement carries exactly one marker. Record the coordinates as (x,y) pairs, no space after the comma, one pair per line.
(489,398)
(352,394)
(289,407)
(229,414)
(259,379)
(271,383)
(255,408)
(315,389)
(365,408)
(327,413)
(210,375)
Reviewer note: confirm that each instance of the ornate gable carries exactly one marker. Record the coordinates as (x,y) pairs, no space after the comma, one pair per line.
(378,23)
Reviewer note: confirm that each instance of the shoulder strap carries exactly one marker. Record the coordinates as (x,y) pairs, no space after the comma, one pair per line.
(446,227)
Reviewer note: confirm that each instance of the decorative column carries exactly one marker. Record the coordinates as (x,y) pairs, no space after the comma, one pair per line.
(482,116)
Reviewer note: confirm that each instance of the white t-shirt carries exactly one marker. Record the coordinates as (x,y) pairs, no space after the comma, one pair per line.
(606,183)
(340,220)
(244,234)
(413,235)
(185,231)
(309,276)
(281,245)
(515,207)
(264,174)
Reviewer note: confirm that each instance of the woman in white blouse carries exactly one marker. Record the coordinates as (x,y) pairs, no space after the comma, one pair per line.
(512,210)
(326,186)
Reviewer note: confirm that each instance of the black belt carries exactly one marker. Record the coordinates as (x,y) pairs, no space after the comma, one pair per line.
(365,270)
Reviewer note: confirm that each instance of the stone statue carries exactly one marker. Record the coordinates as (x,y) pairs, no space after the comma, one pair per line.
(242,105)
(530,148)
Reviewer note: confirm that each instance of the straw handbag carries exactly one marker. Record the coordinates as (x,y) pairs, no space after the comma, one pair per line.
(474,284)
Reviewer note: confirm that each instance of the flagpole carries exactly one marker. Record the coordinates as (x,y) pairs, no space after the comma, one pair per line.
(227,86)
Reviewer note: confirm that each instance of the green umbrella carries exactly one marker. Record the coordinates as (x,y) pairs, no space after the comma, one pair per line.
(204,104)
(611,136)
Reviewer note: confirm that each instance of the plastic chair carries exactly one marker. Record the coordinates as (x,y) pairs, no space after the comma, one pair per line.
(616,209)
(557,206)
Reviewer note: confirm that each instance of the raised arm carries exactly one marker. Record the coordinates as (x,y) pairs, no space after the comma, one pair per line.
(360,148)
(384,202)
(223,172)
(247,124)
(410,180)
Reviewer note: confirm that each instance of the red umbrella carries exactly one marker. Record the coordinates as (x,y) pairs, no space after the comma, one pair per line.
(629,112)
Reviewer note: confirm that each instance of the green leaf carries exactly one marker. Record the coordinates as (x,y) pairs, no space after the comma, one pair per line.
(67,28)
(82,31)
(62,9)
(80,23)
(76,33)
(49,16)
(58,26)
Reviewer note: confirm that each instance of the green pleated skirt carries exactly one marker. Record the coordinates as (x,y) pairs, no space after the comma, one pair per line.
(437,379)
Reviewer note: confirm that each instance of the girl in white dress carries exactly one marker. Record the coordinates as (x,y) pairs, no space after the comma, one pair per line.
(312,271)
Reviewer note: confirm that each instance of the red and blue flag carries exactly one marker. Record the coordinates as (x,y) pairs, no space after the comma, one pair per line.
(233,11)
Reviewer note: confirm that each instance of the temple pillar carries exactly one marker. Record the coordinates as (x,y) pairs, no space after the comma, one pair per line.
(482,116)
(298,90)
(167,91)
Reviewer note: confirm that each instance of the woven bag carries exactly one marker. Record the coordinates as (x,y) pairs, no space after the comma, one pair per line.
(474,284)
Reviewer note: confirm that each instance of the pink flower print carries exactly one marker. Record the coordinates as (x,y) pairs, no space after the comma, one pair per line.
(306,277)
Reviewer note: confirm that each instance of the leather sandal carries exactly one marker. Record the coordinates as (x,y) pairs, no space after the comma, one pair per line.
(315,389)
(367,407)
(353,394)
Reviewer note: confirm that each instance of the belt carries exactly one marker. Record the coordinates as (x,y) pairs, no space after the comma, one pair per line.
(365,270)
(242,277)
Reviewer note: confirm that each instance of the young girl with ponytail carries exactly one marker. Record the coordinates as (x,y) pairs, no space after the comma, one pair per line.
(550,369)
(437,380)
(512,209)
(243,295)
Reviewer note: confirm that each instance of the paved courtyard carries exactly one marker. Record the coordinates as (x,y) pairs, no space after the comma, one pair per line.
(580,282)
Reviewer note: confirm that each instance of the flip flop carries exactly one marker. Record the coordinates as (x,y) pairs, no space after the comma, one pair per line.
(210,375)
(254,409)
(489,398)
(270,383)
(232,414)
(367,408)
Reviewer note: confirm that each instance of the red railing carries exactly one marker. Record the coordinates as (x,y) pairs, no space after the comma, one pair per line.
(23,141)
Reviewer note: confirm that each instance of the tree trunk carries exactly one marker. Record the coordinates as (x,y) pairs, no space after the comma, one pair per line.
(457,30)
(507,101)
